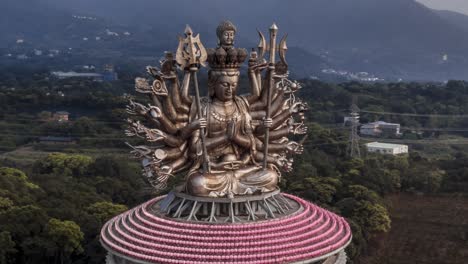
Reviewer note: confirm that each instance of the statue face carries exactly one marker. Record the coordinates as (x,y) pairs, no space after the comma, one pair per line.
(227,38)
(226,87)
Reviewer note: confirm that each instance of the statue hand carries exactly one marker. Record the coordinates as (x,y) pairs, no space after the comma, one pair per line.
(142,86)
(294,148)
(267,122)
(259,67)
(154,135)
(298,107)
(200,123)
(155,112)
(284,163)
(168,69)
(231,130)
(298,129)
(135,129)
(136,109)
(141,151)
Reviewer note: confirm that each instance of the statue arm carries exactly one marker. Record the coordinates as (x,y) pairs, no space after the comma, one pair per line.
(270,159)
(272,147)
(191,128)
(173,141)
(277,134)
(169,109)
(277,103)
(178,163)
(179,105)
(277,121)
(259,112)
(254,86)
(169,127)
(153,135)
(241,140)
(174,153)
(185,97)
(261,103)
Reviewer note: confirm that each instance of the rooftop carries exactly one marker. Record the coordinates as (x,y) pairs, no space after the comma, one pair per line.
(75,74)
(384,123)
(141,235)
(384,145)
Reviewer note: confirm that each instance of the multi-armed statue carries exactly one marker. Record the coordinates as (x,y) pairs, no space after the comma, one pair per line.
(231,150)
(227,145)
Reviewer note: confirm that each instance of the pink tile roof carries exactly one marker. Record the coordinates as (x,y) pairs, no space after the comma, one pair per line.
(305,235)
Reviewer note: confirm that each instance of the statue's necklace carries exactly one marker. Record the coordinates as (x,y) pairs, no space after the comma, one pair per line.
(225,118)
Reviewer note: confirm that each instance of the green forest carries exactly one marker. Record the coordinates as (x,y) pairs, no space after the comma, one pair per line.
(54,198)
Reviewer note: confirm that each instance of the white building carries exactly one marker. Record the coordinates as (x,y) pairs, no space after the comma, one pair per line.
(380,128)
(386,148)
(66,75)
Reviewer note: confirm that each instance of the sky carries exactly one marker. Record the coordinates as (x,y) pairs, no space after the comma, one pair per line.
(460,6)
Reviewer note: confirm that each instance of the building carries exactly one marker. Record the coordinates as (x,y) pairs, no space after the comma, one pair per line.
(266,228)
(380,128)
(86,75)
(61,116)
(109,73)
(386,148)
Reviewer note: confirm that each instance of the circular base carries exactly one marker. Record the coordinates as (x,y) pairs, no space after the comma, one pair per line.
(251,208)
(307,235)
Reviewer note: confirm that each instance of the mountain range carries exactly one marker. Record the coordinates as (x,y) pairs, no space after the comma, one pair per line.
(392,39)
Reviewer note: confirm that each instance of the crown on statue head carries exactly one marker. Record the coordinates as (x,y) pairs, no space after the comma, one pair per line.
(223,58)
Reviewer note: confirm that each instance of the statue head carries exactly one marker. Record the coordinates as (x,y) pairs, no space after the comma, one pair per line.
(222,85)
(226,32)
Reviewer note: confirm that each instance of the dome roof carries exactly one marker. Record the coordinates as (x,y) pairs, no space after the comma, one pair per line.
(308,235)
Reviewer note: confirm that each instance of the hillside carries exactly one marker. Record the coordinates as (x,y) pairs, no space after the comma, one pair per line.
(455,18)
(394,39)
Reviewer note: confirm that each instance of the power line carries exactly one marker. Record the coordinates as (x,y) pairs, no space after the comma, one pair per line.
(415,115)
(448,129)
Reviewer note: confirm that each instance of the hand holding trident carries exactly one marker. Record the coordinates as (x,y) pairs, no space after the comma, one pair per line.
(191,54)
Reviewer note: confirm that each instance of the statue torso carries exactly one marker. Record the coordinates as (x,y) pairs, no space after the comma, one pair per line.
(219,116)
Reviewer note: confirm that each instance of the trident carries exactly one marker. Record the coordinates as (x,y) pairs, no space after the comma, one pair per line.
(191,54)
(272,48)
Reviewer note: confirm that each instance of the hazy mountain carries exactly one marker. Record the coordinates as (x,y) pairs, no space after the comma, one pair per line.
(458,19)
(388,38)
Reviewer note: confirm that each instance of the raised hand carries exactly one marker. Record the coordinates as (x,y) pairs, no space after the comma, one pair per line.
(141,151)
(298,107)
(136,109)
(159,181)
(134,129)
(298,129)
(284,163)
(142,86)
(294,148)
(154,135)
(231,130)
(155,111)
